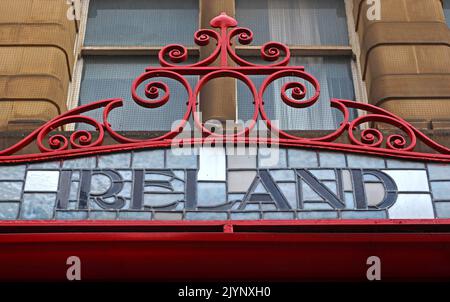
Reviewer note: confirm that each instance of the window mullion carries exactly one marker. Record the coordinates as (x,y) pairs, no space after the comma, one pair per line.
(217,98)
(359,85)
(75,85)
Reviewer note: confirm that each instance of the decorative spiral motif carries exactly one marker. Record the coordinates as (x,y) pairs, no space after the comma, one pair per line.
(58,142)
(396,141)
(245,35)
(245,38)
(83,137)
(374,138)
(152,91)
(298,93)
(271,51)
(176,53)
(202,37)
(371,137)
(298,89)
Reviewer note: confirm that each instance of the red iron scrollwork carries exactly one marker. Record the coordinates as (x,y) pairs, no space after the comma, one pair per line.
(157,93)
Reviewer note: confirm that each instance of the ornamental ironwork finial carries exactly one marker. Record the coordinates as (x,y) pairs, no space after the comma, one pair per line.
(293,94)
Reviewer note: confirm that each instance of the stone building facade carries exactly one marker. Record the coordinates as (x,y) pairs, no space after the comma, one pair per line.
(348,185)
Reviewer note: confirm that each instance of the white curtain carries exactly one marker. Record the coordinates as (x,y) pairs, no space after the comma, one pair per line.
(316,117)
(294,22)
(298,22)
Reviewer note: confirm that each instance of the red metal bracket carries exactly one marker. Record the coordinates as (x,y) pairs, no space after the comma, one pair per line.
(368,141)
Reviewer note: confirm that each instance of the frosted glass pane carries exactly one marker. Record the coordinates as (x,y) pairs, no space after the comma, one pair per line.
(335,79)
(111,77)
(141,22)
(300,22)
(447,11)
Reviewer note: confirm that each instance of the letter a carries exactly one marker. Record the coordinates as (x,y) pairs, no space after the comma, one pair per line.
(374,271)
(374,10)
(74,271)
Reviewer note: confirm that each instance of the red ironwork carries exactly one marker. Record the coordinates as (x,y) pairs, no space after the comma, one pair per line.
(368,141)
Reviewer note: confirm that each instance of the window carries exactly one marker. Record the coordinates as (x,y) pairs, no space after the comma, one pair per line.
(308,27)
(122,37)
(447,11)
(335,78)
(141,22)
(111,77)
(294,22)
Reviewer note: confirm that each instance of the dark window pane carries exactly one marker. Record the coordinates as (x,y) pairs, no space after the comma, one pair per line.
(447,11)
(141,22)
(111,77)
